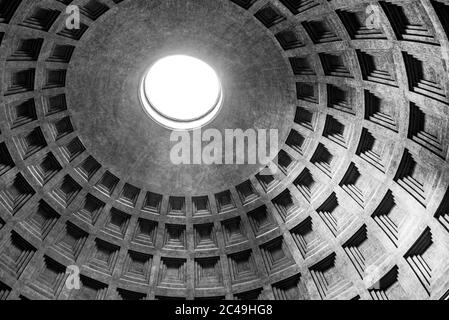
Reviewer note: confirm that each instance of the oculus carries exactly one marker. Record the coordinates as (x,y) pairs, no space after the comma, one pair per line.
(181,92)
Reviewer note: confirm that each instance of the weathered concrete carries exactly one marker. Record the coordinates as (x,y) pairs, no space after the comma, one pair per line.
(109,64)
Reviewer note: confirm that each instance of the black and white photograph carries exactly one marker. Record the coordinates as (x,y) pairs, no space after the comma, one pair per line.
(197,155)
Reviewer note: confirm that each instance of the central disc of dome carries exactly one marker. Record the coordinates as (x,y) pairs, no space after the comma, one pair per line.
(181,92)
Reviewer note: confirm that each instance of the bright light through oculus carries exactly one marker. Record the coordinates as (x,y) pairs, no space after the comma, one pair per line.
(181,92)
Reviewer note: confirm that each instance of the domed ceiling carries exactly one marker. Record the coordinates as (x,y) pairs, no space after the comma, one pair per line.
(359,208)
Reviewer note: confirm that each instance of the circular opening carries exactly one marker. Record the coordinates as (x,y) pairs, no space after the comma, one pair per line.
(181,92)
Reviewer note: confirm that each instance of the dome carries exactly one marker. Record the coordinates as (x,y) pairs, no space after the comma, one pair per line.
(355,204)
